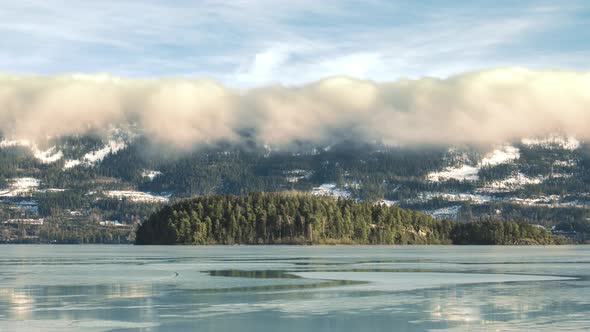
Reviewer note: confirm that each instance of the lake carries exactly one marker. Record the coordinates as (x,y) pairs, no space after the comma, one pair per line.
(294,288)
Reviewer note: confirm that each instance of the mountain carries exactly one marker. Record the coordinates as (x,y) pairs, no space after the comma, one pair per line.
(118,179)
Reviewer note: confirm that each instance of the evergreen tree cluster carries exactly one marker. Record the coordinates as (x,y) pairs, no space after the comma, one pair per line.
(500,232)
(294,218)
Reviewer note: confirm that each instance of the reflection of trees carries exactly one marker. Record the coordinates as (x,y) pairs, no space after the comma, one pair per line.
(264,274)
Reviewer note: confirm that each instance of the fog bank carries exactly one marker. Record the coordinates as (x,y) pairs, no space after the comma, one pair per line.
(483,107)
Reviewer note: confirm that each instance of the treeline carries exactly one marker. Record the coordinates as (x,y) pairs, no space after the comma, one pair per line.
(501,232)
(66,232)
(294,218)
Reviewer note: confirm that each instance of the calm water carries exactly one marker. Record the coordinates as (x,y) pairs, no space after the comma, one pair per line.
(276,288)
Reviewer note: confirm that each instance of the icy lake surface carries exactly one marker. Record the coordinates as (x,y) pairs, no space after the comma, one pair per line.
(291,288)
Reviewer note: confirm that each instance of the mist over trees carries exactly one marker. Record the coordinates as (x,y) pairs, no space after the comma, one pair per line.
(181,113)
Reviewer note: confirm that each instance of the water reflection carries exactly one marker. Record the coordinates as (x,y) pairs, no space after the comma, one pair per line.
(293,289)
(118,291)
(19,301)
(265,274)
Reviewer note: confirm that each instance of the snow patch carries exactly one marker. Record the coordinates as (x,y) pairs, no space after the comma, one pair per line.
(461,173)
(466,172)
(330,189)
(21,187)
(52,190)
(565,163)
(150,174)
(550,201)
(295,175)
(511,183)
(455,197)
(352,185)
(386,202)
(114,223)
(94,157)
(136,196)
(97,156)
(561,175)
(10,143)
(553,141)
(446,212)
(504,155)
(24,221)
(48,156)
(71,163)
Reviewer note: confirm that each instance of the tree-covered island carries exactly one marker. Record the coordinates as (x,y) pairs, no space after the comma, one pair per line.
(295,218)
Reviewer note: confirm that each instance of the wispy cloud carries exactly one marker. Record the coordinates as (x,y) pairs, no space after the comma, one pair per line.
(248,43)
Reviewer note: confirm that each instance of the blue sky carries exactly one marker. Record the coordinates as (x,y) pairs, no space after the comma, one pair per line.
(257,42)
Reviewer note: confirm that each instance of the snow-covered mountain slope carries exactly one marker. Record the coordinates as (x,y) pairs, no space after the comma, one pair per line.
(93,157)
(532,173)
(553,142)
(136,196)
(56,148)
(46,156)
(505,154)
(510,183)
(464,172)
(23,186)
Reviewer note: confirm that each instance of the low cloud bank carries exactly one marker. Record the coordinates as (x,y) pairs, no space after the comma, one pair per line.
(483,107)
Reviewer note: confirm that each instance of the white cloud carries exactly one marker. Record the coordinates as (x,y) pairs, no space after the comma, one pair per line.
(483,107)
(359,65)
(263,68)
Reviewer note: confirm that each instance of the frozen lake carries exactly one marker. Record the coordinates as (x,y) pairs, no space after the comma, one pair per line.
(294,288)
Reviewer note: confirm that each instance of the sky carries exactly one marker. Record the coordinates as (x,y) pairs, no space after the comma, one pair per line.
(252,43)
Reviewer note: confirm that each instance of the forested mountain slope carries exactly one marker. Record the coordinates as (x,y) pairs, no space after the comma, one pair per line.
(121,179)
